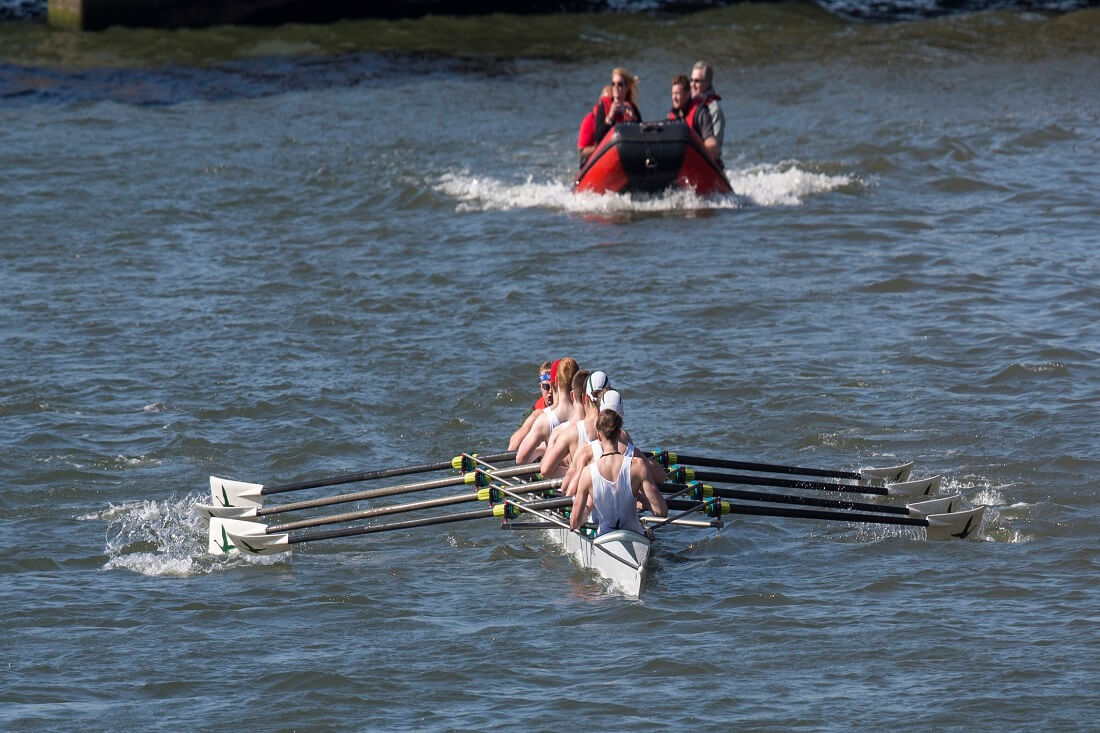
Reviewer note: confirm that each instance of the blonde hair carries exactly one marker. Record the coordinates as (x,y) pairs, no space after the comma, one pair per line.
(631,83)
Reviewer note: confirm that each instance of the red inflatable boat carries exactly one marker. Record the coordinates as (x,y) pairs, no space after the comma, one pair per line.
(648,157)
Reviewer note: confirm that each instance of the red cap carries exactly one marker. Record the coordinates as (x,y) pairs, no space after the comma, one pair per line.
(554,371)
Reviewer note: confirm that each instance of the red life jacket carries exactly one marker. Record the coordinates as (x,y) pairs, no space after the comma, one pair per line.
(689,118)
(587,134)
(604,105)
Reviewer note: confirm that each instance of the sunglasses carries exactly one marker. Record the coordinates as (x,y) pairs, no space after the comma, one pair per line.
(697,81)
(545,386)
(618,83)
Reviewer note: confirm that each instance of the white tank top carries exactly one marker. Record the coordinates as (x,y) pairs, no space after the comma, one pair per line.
(614,500)
(582,435)
(597,450)
(551,418)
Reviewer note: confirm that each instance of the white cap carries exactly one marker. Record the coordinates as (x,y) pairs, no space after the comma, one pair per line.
(596,381)
(612,400)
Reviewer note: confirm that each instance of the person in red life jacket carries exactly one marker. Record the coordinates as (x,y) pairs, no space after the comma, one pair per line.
(705,115)
(623,105)
(546,400)
(681,98)
(586,138)
(547,397)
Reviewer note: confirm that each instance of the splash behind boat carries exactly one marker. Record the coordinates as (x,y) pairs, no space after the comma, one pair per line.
(649,157)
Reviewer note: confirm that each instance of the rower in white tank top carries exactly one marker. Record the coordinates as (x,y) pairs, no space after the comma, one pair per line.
(613,501)
(552,418)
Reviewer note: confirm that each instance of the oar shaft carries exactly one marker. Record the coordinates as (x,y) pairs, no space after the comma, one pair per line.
(424,522)
(401,508)
(762,467)
(350,478)
(750,480)
(793,499)
(778,511)
(375,512)
(524,470)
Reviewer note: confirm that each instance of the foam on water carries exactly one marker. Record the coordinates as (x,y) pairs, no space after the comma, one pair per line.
(781,184)
(165,539)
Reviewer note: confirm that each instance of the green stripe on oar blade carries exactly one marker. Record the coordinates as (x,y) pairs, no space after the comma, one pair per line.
(221,527)
(226,492)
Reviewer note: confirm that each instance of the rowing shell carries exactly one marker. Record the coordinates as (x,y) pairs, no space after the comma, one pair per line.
(620,556)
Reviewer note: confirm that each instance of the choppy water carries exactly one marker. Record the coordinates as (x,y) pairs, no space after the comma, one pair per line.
(285,253)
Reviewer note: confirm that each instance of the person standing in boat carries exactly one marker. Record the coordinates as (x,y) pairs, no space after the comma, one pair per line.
(614,484)
(586,138)
(681,98)
(623,105)
(705,115)
(561,374)
(544,401)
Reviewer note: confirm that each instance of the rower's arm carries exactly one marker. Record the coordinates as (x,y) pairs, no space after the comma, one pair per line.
(652,494)
(522,430)
(579,514)
(557,448)
(582,456)
(535,437)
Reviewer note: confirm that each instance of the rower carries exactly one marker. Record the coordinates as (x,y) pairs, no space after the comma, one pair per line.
(544,401)
(555,468)
(581,431)
(584,455)
(615,499)
(561,375)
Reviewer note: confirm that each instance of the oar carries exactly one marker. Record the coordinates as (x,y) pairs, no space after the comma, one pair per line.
(683,474)
(868,475)
(477,477)
(226,492)
(219,544)
(953,525)
(268,544)
(697,490)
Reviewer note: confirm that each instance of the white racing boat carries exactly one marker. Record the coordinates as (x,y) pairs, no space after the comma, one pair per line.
(621,556)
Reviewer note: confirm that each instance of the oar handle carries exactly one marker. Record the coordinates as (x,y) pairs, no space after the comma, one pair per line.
(350,478)
(667,458)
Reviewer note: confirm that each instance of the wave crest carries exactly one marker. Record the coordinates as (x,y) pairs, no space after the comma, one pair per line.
(781,184)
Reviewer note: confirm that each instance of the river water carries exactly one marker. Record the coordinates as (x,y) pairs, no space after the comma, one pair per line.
(278,254)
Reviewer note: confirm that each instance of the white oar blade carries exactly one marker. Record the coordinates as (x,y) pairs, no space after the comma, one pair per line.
(890,474)
(261,544)
(206,511)
(943,505)
(221,530)
(956,526)
(226,492)
(920,487)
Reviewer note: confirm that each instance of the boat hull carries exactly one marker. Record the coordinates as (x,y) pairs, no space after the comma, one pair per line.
(650,157)
(621,556)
